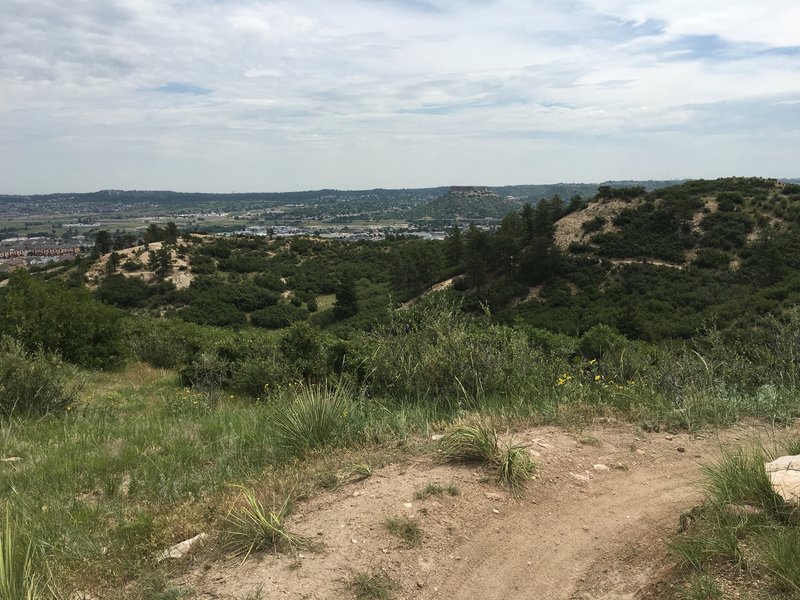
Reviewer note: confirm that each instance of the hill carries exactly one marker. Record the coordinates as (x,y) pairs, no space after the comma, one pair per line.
(466,204)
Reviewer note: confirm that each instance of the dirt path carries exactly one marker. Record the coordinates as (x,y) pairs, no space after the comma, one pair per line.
(594,524)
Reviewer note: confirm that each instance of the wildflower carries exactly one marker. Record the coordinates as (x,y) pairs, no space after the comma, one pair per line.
(593,361)
(597,378)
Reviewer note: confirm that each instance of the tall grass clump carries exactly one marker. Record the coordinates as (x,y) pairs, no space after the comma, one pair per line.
(478,443)
(739,478)
(315,417)
(434,352)
(32,383)
(744,524)
(254,528)
(18,577)
(470,443)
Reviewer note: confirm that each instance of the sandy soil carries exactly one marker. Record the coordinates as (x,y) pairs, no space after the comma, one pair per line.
(568,229)
(594,524)
(181,278)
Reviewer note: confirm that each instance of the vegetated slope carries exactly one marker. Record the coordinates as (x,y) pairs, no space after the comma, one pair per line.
(654,265)
(467,203)
(595,523)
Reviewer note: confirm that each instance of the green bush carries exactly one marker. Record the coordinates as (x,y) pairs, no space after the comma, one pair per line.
(600,340)
(67,321)
(278,316)
(32,383)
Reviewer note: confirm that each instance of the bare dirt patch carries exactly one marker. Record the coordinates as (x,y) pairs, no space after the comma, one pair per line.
(594,524)
(568,228)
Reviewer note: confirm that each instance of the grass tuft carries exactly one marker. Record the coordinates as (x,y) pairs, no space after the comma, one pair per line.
(437,489)
(515,467)
(254,528)
(314,417)
(371,586)
(18,578)
(779,550)
(405,528)
(470,443)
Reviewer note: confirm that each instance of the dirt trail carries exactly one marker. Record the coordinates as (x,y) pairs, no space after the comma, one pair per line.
(582,531)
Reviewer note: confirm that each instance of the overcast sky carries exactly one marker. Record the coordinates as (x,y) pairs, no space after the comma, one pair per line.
(270,95)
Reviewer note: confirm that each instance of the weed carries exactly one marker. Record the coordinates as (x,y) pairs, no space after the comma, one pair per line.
(437,489)
(371,585)
(254,528)
(405,528)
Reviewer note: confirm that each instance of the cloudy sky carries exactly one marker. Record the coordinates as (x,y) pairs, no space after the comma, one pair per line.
(271,95)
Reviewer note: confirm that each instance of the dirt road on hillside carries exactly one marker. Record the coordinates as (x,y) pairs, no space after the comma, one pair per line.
(594,524)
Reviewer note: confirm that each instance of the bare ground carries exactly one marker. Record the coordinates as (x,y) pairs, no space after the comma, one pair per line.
(582,531)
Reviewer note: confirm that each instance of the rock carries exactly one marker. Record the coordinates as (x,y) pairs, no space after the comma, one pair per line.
(784,474)
(182,549)
(436,437)
(601,468)
(408,505)
(495,511)
(493,496)
(681,449)
(640,452)
(11,459)
(584,479)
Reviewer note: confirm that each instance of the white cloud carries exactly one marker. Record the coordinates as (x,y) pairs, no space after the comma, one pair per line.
(362,92)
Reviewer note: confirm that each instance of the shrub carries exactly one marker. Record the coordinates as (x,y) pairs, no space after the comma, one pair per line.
(278,316)
(599,340)
(32,383)
(63,320)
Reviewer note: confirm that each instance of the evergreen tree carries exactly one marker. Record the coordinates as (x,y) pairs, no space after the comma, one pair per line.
(346,298)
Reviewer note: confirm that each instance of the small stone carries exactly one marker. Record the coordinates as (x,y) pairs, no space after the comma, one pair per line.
(419,585)
(681,449)
(356,494)
(408,505)
(354,540)
(436,437)
(495,511)
(640,452)
(493,496)
(601,468)
(669,438)
(581,478)
(12,459)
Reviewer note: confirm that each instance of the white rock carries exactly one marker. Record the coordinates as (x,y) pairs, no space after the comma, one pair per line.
(784,474)
(11,459)
(182,549)
(436,437)
(408,505)
(493,496)
(601,468)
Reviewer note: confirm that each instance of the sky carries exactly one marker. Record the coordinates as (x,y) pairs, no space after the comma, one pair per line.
(271,95)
